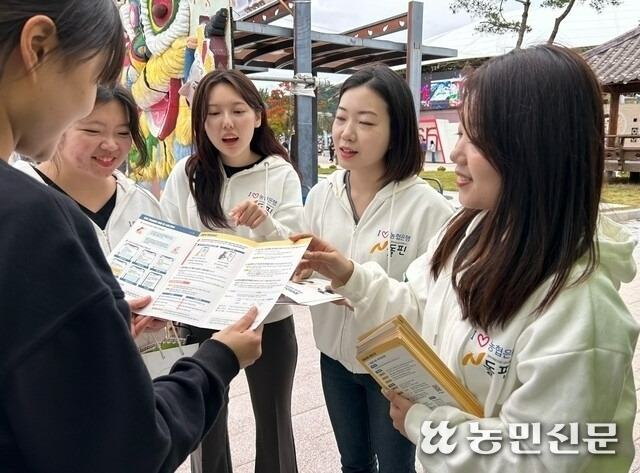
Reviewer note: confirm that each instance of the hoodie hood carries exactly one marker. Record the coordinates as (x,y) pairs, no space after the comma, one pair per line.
(27,168)
(131,202)
(616,245)
(393,231)
(125,185)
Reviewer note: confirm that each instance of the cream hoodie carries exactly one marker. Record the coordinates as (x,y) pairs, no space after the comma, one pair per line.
(273,180)
(131,202)
(393,231)
(572,364)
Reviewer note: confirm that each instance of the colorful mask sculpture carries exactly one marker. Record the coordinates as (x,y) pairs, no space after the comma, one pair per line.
(170,45)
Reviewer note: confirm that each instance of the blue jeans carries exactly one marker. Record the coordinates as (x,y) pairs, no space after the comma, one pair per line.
(364,431)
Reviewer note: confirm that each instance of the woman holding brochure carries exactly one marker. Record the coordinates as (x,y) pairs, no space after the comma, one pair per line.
(74,392)
(376,209)
(240,181)
(518,295)
(85,167)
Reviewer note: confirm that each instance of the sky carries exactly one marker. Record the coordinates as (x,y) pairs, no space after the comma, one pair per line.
(331,16)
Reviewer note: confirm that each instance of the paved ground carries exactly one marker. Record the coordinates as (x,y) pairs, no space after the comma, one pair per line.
(315,444)
(631,294)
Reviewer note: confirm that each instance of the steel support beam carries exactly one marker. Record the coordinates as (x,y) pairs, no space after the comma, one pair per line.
(284,32)
(306,149)
(414,53)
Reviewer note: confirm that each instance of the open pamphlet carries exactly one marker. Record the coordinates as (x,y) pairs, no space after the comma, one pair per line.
(399,359)
(309,292)
(205,279)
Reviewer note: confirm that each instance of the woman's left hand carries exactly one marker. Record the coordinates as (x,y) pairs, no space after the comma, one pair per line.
(143,323)
(248,213)
(398,410)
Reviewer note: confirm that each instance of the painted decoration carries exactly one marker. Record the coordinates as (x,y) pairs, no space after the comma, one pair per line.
(170,45)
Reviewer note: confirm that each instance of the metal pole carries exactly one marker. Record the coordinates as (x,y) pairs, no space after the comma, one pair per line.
(305,147)
(414,52)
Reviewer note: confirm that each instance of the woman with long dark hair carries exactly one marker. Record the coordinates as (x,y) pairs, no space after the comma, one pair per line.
(519,293)
(239,180)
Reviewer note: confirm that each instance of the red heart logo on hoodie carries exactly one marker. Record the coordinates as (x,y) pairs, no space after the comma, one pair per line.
(483,340)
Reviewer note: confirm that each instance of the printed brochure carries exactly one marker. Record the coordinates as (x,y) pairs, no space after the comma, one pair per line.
(399,359)
(204,279)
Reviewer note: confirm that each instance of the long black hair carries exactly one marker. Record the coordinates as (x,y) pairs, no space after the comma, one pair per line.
(80,35)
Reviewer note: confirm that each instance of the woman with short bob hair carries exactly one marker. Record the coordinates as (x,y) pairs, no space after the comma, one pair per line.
(375,209)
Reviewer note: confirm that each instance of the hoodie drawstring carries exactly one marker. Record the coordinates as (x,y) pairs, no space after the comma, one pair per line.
(393,201)
(266,182)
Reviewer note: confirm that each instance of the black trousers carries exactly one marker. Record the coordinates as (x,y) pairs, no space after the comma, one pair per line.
(270,381)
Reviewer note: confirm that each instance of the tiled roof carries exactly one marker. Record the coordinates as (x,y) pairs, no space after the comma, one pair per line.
(617,61)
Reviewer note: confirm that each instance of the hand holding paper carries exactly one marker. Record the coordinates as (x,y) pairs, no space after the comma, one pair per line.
(245,342)
(204,279)
(325,259)
(400,360)
(140,323)
(399,406)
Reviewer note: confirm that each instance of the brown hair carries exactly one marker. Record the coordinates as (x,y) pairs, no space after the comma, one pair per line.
(204,166)
(536,115)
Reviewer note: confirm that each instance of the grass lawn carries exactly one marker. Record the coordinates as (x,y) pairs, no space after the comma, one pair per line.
(616,191)
(619,191)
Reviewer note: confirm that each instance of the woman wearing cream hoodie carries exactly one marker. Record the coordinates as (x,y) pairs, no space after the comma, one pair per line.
(375,209)
(519,293)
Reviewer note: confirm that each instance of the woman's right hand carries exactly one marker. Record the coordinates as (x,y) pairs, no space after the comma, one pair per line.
(325,259)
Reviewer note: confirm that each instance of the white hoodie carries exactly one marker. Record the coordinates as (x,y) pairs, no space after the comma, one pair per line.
(131,202)
(572,364)
(273,180)
(393,231)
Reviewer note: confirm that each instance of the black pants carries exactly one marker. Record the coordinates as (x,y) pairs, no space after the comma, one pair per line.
(270,381)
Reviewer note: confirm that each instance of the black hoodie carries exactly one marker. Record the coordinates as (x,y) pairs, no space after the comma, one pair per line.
(75,395)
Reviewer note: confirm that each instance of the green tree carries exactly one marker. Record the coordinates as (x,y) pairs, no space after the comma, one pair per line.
(264,93)
(492,20)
